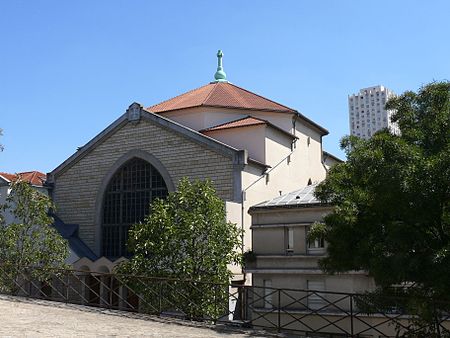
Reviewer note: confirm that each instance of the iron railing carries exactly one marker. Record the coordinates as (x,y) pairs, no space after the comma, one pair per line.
(307,312)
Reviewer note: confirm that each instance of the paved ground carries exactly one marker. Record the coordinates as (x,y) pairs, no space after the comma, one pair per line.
(21,317)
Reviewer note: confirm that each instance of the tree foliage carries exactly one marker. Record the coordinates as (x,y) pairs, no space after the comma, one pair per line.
(29,241)
(186,236)
(392,200)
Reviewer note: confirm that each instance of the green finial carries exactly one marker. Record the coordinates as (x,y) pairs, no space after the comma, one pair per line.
(220,75)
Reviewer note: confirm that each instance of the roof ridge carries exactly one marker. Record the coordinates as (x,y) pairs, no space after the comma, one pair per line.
(182,94)
(263,97)
(30,171)
(34,175)
(214,84)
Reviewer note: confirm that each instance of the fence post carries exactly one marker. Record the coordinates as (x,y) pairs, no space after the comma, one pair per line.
(279,310)
(67,286)
(246,306)
(160,296)
(215,304)
(351,315)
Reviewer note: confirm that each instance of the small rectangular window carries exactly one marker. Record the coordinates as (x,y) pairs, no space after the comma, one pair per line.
(289,240)
(316,246)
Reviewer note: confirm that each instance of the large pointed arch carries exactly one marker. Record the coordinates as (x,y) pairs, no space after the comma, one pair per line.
(140,161)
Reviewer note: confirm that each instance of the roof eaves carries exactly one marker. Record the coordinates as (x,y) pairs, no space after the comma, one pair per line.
(225,123)
(222,106)
(322,130)
(212,128)
(332,156)
(290,206)
(250,109)
(5,178)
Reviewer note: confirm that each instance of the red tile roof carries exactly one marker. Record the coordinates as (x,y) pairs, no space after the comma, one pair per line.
(244,122)
(33,177)
(220,94)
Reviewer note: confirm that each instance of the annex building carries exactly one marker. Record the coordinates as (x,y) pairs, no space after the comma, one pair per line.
(252,148)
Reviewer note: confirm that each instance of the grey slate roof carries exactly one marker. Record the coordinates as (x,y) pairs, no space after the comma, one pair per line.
(70,233)
(303,197)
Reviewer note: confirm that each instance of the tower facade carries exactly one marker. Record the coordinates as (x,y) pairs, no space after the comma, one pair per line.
(367,113)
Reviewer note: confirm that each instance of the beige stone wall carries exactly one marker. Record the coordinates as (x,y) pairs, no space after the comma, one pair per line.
(76,188)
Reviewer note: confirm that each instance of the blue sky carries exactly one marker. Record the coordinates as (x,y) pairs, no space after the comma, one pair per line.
(70,68)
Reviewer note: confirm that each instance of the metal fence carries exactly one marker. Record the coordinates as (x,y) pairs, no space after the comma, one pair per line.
(305,312)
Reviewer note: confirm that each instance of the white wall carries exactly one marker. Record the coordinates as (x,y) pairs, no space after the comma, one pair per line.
(199,118)
(277,146)
(251,138)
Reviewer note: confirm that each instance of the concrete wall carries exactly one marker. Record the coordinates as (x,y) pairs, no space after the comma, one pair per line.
(252,138)
(297,267)
(277,146)
(204,117)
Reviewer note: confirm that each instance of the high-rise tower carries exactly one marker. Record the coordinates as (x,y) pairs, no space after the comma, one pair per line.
(367,113)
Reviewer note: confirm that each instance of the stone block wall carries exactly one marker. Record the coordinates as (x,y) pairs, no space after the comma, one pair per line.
(76,187)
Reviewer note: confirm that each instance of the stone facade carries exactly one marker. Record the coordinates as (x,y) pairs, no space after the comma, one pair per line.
(77,186)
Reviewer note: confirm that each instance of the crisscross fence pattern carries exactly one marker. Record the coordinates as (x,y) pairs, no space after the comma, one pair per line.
(306,312)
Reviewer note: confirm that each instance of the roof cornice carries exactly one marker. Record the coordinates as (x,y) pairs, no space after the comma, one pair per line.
(316,126)
(326,153)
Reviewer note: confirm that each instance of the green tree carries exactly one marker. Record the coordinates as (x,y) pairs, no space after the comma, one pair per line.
(30,242)
(391,215)
(186,236)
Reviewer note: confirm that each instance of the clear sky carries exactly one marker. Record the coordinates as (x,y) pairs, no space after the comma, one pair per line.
(70,68)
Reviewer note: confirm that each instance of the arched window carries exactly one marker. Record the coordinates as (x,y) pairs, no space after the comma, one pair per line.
(126,201)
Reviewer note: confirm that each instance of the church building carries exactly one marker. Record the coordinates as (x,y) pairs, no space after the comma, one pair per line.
(252,148)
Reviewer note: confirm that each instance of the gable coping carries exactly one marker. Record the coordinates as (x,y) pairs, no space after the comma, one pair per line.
(238,156)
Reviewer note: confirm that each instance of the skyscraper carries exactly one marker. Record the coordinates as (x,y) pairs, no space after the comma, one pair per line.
(367,113)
